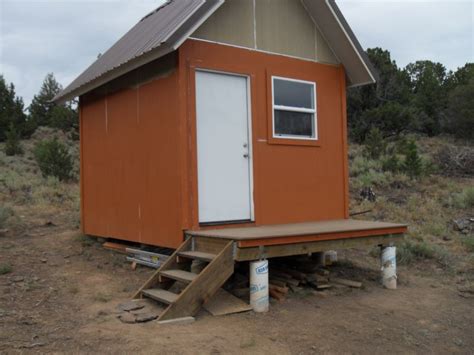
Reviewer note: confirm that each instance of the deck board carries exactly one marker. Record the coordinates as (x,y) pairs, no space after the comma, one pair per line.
(345,226)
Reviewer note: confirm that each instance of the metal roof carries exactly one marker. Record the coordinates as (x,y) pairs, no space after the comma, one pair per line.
(166,28)
(157,34)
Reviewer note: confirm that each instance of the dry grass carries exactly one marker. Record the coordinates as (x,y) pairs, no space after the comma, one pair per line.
(428,205)
(31,199)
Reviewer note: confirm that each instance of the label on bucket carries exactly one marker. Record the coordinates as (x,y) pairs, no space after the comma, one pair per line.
(262,269)
(257,288)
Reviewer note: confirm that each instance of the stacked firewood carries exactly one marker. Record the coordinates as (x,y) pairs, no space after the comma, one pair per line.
(291,275)
(284,278)
(296,274)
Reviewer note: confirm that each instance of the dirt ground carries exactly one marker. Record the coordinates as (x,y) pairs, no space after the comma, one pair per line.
(62,292)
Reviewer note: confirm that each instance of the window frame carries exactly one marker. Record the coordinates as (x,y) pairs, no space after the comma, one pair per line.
(313,111)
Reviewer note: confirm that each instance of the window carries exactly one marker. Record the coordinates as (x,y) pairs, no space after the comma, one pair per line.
(294,109)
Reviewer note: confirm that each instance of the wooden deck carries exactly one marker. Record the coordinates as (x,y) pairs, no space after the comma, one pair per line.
(300,238)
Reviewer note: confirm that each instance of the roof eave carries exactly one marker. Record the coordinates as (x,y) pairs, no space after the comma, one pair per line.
(113,74)
(355,43)
(342,41)
(170,44)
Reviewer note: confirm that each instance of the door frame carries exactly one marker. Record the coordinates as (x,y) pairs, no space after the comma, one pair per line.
(248,79)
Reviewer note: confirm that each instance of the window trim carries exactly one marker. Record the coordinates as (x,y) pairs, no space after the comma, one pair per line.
(294,109)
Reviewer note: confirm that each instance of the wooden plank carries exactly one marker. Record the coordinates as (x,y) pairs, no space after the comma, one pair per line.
(297,229)
(209,245)
(350,283)
(160,295)
(203,287)
(283,290)
(276,295)
(277,282)
(170,263)
(319,237)
(223,303)
(177,321)
(197,255)
(119,248)
(179,275)
(245,254)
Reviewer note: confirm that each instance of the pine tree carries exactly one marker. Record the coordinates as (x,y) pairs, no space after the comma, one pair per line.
(43,112)
(11,109)
(13,144)
(413,164)
(41,106)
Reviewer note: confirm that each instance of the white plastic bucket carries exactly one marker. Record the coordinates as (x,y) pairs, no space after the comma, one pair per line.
(330,257)
(259,286)
(389,267)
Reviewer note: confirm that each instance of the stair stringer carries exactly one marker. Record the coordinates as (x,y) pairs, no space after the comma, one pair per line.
(203,287)
(167,265)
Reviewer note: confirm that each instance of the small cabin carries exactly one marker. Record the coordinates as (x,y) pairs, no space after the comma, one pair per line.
(224,121)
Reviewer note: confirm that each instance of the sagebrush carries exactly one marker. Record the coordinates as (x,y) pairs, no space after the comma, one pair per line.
(54,159)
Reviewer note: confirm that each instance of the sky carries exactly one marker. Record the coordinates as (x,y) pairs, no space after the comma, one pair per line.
(65,36)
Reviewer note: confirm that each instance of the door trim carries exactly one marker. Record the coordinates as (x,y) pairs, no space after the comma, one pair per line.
(250,143)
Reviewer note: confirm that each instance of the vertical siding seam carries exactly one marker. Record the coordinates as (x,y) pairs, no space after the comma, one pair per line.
(316,52)
(106,116)
(255,24)
(138,105)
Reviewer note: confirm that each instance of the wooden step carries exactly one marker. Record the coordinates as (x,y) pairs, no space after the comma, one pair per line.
(160,295)
(198,255)
(179,275)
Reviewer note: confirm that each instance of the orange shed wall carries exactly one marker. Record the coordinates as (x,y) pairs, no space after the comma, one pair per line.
(130,164)
(138,149)
(294,181)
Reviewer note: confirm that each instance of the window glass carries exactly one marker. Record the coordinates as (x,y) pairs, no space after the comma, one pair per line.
(294,109)
(289,123)
(292,93)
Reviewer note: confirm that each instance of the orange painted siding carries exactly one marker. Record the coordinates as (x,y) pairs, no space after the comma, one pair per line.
(131,185)
(138,150)
(294,181)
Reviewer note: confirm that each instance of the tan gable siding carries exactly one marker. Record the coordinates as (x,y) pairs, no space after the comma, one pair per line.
(232,23)
(325,54)
(283,27)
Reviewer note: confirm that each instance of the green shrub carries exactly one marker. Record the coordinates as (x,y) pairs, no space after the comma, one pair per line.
(465,199)
(469,243)
(13,144)
(460,112)
(54,159)
(5,214)
(409,252)
(374,144)
(392,163)
(371,178)
(5,269)
(361,165)
(413,164)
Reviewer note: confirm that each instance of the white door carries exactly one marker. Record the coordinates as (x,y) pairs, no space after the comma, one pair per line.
(223,148)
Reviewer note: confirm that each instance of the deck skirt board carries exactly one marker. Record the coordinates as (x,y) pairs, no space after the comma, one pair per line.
(319,237)
(302,232)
